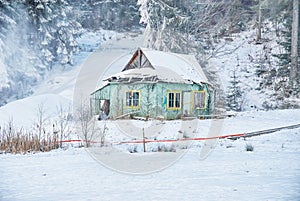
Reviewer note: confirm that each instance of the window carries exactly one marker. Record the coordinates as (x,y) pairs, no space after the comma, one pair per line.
(132,98)
(174,100)
(199,99)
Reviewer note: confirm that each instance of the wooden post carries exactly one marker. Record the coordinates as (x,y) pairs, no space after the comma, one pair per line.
(144,143)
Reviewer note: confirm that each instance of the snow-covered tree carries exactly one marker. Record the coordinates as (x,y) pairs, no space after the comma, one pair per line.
(34,35)
(53,30)
(6,21)
(193,25)
(234,93)
(166,24)
(120,15)
(17,58)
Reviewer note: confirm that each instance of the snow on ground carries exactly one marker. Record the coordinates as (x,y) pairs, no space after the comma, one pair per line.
(245,122)
(24,113)
(270,172)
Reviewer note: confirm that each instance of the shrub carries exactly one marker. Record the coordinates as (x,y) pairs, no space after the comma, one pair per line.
(133,149)
(249,147)
(164,148)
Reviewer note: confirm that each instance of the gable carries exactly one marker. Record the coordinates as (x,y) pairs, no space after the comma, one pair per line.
(138,60)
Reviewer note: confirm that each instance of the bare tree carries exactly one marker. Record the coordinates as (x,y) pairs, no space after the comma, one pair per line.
(63,123)
(87,123)
(10,135)
(40,124)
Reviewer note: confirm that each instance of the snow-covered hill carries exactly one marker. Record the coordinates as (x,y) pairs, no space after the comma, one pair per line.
(238,60)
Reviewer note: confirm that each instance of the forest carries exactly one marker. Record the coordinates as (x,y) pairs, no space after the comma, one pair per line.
(38,36)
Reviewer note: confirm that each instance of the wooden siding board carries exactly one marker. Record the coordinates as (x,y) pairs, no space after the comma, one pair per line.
(152,96)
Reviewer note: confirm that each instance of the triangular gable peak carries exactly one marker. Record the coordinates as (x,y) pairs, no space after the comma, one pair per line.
(138,60)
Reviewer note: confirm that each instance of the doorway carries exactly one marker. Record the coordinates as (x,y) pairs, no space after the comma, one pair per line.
(186,103)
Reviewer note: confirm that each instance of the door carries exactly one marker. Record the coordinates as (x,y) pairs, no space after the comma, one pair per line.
(186,103)
(105,106)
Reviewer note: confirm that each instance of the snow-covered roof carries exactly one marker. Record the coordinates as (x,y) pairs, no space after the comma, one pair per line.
(159,66)
(160,74)
(184,65)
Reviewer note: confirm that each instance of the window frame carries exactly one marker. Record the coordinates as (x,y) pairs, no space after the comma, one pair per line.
(132,99)
(204,99)
(174,107)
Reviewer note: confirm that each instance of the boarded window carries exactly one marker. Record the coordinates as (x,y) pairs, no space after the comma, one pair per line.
(174,100)
(132,98)
(199,99)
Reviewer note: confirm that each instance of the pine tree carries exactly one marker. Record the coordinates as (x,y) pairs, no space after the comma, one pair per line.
(53,30)
(5,22)
(119,15)
(5,18)
(18,58)
(234,93)
(32,33)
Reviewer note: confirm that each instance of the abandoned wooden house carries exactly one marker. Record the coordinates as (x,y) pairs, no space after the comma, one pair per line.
(156,84)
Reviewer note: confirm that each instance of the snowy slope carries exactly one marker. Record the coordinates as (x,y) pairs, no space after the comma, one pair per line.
(24,113)
(241,54)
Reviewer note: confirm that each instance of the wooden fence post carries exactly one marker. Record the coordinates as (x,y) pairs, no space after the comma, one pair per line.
(144,142)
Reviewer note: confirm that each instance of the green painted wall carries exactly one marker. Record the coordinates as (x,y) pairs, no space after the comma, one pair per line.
(153,99)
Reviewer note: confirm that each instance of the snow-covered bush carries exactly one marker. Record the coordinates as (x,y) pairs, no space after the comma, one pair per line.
(249,147)
(133,148)
(166,147)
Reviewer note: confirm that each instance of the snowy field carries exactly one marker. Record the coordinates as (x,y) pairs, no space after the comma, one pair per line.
(270,172)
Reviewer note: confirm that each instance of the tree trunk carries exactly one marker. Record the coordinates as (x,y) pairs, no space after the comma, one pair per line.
(294,48)
(258,36)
